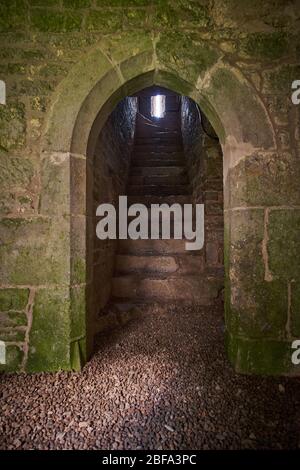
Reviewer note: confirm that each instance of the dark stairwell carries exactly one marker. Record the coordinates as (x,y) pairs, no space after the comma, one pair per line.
(160,270)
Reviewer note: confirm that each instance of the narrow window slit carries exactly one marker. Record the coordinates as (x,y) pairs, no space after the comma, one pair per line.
(158,106)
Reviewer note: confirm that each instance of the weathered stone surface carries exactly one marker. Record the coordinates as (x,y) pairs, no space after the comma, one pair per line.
(105,21)
(173,14)
(12,319)
(259,310)
(50,332)
(258,307)
(13,299)
(254,15)
(18,201)
(55,21)
(14,359)
(95,66)
(261,356)
(12,126)
(15,171)
(295,309)
(55,179)
(78,312)
(279,81)
(34,251)
(284,243)
(246,236)
(268,179)
(12,16)
(232,99)
(265,45)
(12,335)
(78,185)
(77,3)
(188,56)
(80,256)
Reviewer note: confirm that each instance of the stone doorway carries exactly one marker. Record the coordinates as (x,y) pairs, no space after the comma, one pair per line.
(175,159)
(260,294)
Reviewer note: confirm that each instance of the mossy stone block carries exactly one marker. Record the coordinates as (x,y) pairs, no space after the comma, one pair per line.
(55,21)
(279,81)
(236,107)
(105,21)
(258,309)
(13,318)
(49,340)
(268,180)
(15,172)
(186,55)
(261,357)
(13,299)
(76,3)
(34,251)
(271,46)
(12,126)
(284,243)
(14,359)
(13,15)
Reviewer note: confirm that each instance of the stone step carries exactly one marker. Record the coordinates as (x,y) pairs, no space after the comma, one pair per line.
(154,156)
(176,264)
(157,190)
(158,139)
(154,153)
(157,171)
(158,146)
(201,291)
(154,247)
(157,162)
(159,180)
(153,199)
(161,225)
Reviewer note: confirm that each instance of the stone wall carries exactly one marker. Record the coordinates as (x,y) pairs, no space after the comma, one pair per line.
(205,164)
(62,60)
(110,174)
(107,178)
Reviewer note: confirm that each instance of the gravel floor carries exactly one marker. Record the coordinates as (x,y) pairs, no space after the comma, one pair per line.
(161,382)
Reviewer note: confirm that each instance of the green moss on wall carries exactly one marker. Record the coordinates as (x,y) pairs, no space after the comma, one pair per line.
(185,55)
(12,15)
(76,3)
(50,332)
(55,22)
(263,357)
(15,171)
(14,358)
(12,126)
(104,20)
(13,299)
(266,45)
(13,319)
(284,243)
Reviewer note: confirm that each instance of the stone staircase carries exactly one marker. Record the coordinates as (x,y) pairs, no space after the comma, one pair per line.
(159,270)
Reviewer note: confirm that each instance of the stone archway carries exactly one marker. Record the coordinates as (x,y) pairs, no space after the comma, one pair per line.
(255,304)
